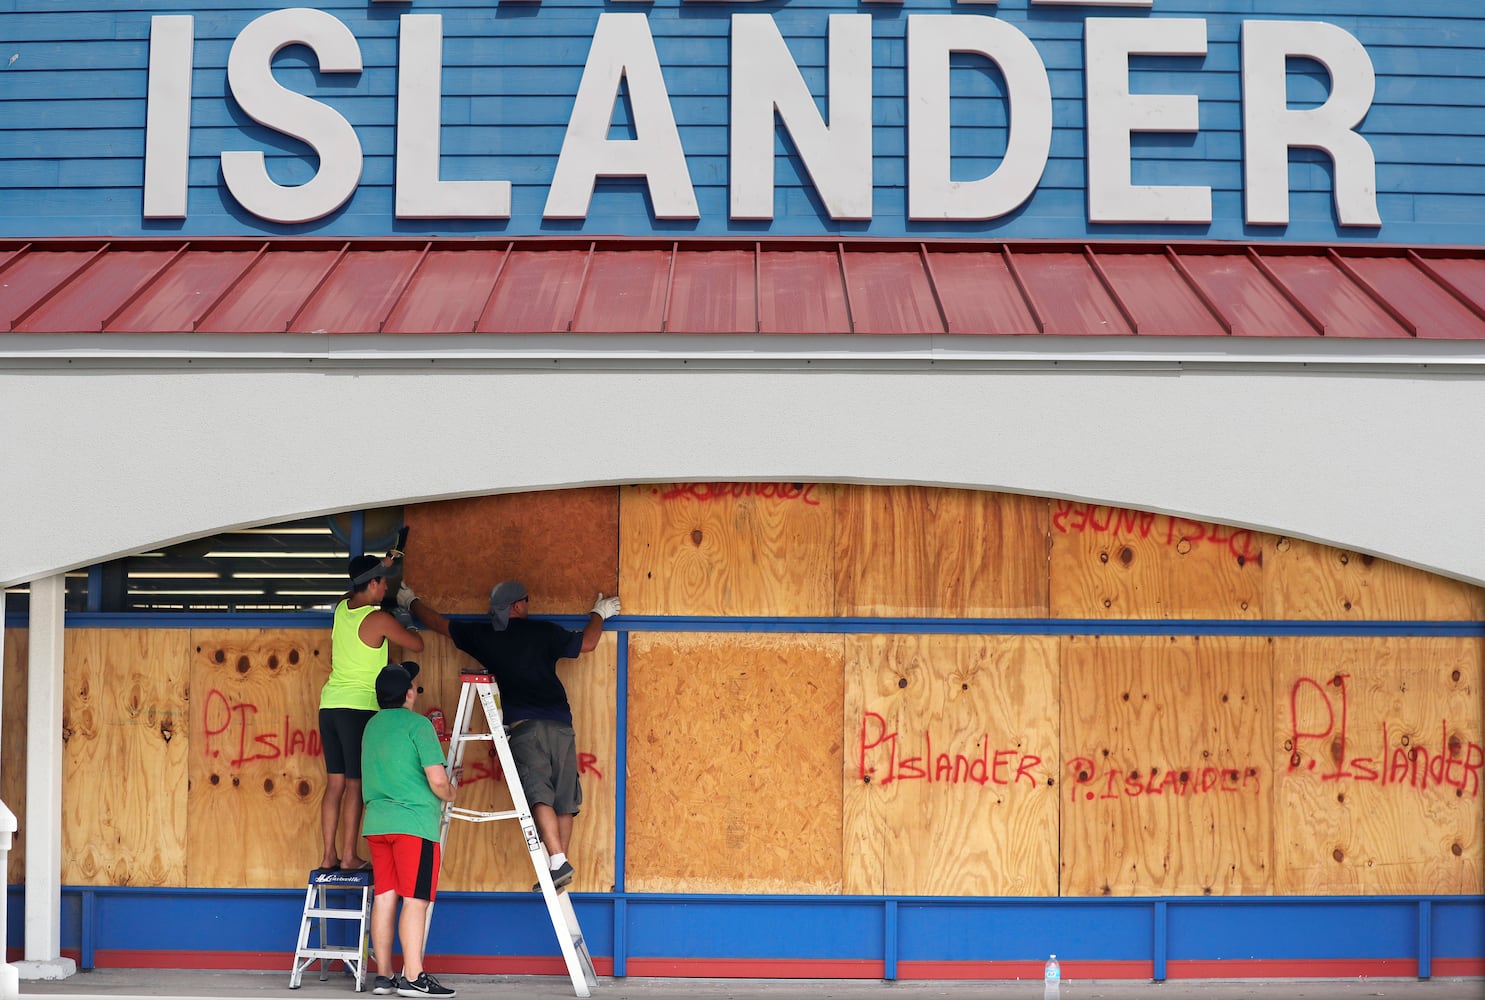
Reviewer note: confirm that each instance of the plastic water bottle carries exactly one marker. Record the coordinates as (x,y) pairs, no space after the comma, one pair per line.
(1052,980)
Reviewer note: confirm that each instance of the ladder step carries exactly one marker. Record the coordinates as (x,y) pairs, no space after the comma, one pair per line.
(334,914)
(476,816)
(314,953)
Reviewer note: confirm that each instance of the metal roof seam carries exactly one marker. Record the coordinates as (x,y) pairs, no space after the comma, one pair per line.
(577,300)
(479,320)
(232,285)
(149,282)
(1360,281)
(938,301)
(1201,293)
(1283,289)
(1108,286)
(1464,299)
(345,248)
(1026,297)
(669,287)
(56,289)
(407,280)
(845,285)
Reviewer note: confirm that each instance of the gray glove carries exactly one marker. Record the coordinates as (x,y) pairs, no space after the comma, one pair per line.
(606,607)
(405,597)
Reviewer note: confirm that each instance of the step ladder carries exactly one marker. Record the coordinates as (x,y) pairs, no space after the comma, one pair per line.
(481,688)
(318,914)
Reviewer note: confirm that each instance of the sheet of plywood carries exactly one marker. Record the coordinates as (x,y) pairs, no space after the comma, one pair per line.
(928,552)
(492,857)
(13,747)
(735,758)
(950,776)
(1306,580)
(563,544)
(257,768)
(1108,562)
(727,549)
(1166,775)
(1379,763)
(125,757)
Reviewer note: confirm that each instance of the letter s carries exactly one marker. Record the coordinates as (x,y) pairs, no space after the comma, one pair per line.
(250,78)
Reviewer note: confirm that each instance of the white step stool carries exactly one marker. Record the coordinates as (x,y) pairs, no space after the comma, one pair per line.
(317,910)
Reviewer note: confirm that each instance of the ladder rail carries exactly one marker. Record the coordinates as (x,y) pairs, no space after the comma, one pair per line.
(482,688)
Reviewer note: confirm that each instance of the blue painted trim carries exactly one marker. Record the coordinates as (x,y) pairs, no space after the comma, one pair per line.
(358,532)
(621,760)
(89,929)
(820,928)
(857,626)
(95,587)
(621,937)
(890,937)
(1160,942)
(1425,939)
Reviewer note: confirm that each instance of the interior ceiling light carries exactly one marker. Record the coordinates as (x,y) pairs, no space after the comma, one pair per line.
(274,555)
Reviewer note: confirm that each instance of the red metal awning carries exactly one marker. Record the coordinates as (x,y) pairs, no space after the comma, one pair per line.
(627,286)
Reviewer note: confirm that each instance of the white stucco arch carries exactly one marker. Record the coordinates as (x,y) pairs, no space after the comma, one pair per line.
(103,457)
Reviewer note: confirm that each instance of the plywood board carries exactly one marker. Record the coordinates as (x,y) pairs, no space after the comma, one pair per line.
(1306,580)
(927,552)
(1108,562)
(125,757)
(13,746)
(257,768)
(563,544)
(1167,785)
(950,776)
(727,549)
(1378,752)
(492,857)
(735,758)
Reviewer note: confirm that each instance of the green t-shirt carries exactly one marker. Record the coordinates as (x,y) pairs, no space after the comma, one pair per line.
(397,745)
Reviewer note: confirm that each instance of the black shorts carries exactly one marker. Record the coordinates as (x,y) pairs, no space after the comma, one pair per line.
(340,738)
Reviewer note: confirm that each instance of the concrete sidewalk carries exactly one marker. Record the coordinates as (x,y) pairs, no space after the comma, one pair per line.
(150,984)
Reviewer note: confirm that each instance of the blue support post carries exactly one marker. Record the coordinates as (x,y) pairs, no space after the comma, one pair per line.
(1159,942)
(86,935)
(1425,939)
(889,940)
(621,937)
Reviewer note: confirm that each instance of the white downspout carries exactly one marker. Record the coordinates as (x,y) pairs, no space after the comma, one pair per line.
(44,689)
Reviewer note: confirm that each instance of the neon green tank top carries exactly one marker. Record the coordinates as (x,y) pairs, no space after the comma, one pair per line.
(353,664)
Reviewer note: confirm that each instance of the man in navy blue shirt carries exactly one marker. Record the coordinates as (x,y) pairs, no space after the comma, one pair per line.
(522,655)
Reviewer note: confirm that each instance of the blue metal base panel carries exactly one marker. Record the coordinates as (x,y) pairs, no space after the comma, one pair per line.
(854,932)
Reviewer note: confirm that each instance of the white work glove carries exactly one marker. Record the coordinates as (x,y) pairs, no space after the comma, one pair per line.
(405,597)
(606,607)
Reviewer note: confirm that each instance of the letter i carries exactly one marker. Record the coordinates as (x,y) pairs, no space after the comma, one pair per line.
(167,117)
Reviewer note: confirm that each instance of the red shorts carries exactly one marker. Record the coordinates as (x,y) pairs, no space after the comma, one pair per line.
(404,864)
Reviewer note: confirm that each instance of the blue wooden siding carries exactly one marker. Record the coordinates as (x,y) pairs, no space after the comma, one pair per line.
(73,81)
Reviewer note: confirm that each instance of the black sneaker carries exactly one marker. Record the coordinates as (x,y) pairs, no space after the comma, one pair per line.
(424,986)
(561,877)
(383,986)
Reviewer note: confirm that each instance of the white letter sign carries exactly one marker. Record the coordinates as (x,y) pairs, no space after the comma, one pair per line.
(420,192)
(765,80)
(1113,113)
(932,195)
(1270,126)
(623,51)
(250,77)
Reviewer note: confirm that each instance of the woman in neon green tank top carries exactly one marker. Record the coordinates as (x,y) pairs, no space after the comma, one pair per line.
(358,651)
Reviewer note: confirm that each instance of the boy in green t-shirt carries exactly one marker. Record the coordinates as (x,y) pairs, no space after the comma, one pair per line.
(404,785)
